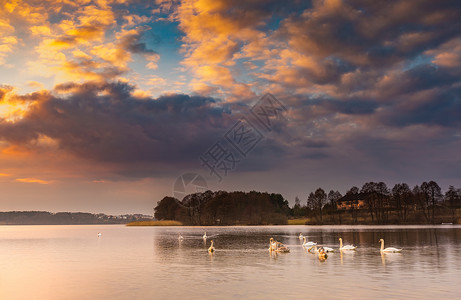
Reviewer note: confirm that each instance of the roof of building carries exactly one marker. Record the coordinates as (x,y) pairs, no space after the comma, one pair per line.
(351,197)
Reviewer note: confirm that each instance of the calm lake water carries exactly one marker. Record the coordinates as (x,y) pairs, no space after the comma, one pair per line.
(72,262)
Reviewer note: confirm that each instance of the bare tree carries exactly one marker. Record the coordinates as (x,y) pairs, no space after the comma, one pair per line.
(402,200)
(298,210)
(316,201)
(432,194)
(333,197)
(377,199)
(453,201)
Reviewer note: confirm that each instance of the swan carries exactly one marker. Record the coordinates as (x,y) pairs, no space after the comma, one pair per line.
(301,236)
(308,244)
(180,237)
(272,244)
(313,248)
(99,234)
(204,236)
(282,248)
(211,249)
(345,247)
(389,249)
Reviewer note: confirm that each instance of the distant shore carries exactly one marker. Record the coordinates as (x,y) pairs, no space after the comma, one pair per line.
(66,218)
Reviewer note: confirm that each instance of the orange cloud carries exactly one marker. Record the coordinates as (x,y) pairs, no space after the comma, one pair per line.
(447,55)
(33,180)
(7,44)
(213,42)
(88,42)
(11,107)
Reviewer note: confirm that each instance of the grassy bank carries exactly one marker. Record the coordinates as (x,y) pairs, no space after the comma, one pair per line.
(301,221)
(155,223)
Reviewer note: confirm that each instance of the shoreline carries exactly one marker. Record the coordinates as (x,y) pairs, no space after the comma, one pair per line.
(293,225)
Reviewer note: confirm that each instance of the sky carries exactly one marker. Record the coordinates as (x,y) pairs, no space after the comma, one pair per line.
(106,104)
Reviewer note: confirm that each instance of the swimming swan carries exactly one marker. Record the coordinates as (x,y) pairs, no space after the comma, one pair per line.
(180,237)
(345,247)
(308,244)
(211,249)
(314,248)
(389,249)
(204,236)
(282,248)
(301,236)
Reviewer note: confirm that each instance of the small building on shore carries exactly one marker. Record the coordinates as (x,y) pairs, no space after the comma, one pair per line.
(351,201)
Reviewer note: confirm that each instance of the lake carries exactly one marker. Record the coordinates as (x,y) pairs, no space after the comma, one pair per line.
(72,262)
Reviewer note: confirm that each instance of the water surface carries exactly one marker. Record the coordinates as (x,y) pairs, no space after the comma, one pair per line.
(72,262)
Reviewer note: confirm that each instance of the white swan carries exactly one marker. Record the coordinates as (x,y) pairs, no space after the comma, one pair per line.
(180,237)
(204,236)
(389,249)
(308,244)
(345,247)
(211,249)
(99,234)
(301,236)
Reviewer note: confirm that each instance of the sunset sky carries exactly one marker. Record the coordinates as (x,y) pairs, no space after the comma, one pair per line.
(103,104)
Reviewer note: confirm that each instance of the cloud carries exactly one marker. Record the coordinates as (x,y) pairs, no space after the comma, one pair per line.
(448,54)
(215,33)
(131,42)
(75,41)
(360,78)
(33,180)
(103,122)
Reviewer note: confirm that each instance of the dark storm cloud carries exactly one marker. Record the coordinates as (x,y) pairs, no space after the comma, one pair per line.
(440,107)
(353,106)
(365,40)
(104,123)
(374,33)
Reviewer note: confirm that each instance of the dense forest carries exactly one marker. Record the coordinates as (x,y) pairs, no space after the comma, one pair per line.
(374,203)
(225,208)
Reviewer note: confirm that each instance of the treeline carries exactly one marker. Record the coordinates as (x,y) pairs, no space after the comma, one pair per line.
(225,208)
(64,218)
(422,204)
(373,203)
